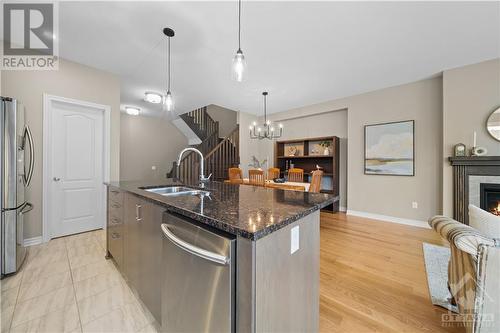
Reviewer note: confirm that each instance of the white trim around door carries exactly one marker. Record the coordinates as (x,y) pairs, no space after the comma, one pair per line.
(48,101)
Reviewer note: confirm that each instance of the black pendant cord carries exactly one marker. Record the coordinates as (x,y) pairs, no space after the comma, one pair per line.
(239,25)
(265,110)
(168,64)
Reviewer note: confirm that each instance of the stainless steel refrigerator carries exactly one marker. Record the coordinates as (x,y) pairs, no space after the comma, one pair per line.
(16,146)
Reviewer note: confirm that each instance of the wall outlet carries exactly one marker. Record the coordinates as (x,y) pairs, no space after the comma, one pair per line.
(294,240)
(414,205)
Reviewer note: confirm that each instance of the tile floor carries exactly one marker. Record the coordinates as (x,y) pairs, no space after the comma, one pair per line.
(66,285)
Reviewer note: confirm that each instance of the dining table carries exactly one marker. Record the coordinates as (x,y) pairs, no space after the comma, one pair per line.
(295,186)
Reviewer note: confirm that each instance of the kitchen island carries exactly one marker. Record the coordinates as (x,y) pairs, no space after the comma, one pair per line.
(256,270)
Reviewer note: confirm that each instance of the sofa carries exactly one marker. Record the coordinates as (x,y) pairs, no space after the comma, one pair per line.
(473,274)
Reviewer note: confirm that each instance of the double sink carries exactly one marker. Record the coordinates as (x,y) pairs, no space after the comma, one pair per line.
(176,191)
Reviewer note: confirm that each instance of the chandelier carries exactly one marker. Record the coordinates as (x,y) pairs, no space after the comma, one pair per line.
(268,130)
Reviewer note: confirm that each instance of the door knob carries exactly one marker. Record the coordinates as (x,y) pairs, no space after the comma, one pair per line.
(56,179)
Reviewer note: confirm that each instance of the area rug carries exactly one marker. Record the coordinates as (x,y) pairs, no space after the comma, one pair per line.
(436,265)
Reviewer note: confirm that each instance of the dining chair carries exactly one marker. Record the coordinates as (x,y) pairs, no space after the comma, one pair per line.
(296,175)
(235,174)
(315,186)
(256,177)
(273,173)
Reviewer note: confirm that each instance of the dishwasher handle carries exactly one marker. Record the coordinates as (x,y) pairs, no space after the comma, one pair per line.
(195,250)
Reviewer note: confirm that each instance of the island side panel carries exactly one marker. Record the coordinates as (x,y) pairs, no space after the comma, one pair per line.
(245,285)
(287,285)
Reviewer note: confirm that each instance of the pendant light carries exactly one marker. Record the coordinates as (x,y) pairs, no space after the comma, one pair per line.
(239,63)
(267,131)
(168,101)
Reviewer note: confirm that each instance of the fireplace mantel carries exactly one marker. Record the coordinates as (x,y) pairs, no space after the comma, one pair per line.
(463,167)
(475,160)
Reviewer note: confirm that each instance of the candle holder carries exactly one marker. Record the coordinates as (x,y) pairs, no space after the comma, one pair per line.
(478,151)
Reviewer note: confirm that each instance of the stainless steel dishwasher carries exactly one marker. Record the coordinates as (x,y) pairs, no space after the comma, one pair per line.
(198,273)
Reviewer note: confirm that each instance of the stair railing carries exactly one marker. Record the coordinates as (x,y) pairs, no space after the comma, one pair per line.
(224,155)
(201,123)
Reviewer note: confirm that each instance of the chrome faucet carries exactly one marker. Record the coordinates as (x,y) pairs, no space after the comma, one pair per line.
(203,179)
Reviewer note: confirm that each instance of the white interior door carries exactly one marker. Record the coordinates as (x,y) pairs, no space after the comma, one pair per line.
(76,165)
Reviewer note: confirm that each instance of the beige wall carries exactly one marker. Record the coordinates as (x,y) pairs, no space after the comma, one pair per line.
(227,119)
(387,195)
(248,147)
(470,94)
(393,195)
(332,123)
(72,80)
(146,142)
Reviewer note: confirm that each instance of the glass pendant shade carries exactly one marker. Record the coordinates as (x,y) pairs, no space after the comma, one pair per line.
(169,101)
(239,66)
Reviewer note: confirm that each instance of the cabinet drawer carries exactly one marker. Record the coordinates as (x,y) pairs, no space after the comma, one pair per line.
(114,219)
(115,195)
(115,243)
(115,209)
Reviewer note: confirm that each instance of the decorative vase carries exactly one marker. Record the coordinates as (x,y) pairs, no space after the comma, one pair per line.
(326,152)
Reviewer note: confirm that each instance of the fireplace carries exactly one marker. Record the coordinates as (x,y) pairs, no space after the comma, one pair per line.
(490,198)
(468,174)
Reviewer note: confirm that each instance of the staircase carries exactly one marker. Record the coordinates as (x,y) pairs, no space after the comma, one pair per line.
(205,128)
(224,156)
(220,154)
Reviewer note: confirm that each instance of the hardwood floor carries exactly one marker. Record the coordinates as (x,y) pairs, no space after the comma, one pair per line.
(372,277)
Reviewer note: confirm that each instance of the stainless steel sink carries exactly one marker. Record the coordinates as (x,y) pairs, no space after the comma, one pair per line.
(176,190)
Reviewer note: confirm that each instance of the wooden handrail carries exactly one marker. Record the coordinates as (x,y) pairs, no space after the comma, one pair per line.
(229,137)
(201,123)
(224,156)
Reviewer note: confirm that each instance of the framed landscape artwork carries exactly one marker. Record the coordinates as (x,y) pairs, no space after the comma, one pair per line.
(390,149)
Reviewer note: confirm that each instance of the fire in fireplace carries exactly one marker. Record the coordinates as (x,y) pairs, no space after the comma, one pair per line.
(490,198)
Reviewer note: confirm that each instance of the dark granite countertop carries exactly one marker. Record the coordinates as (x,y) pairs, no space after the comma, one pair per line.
(248,211)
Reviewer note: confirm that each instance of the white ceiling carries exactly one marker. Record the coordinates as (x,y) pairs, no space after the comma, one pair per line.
(301,52)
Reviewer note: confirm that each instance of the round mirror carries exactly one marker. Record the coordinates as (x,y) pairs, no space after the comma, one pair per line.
(493,124)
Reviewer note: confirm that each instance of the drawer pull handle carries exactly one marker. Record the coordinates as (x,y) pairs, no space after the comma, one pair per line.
(138,212)
(115,191)
(115,205)
(114,220)
(114,235)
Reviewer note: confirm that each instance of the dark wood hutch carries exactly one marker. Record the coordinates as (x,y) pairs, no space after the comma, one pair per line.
(306,154)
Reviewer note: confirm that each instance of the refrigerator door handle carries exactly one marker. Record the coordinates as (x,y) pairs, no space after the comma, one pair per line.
(28,137)
(24,210)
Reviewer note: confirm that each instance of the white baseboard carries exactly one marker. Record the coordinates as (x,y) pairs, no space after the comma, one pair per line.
(33,241)
(392,219)
(342,209)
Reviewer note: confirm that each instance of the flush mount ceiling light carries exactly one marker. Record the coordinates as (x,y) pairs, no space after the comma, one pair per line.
(153,97)
(268,130)
(168,101)
(239,63)
(132,110)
